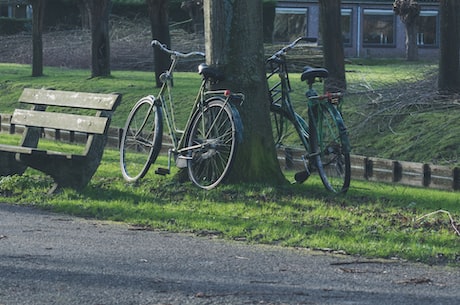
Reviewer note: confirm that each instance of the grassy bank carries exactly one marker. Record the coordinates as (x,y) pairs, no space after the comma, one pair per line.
(372,220)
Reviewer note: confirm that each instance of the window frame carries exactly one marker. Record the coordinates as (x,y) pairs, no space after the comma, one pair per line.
(348,12)
(292,11)
(374,13)
(434,14)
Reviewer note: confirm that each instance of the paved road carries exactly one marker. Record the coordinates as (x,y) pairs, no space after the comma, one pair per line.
(48,258)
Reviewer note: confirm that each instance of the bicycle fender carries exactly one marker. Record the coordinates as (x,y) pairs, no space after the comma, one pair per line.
(238,123)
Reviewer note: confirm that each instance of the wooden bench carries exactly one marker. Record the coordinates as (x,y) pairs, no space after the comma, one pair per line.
(75,114)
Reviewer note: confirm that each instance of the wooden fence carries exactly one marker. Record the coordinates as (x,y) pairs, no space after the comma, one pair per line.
(362,167)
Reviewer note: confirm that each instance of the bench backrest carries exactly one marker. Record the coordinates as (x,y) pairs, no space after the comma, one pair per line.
(40,98)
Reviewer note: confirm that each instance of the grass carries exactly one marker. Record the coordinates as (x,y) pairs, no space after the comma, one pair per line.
(372,220)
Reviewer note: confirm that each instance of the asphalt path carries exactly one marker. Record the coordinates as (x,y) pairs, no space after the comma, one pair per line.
(48,258)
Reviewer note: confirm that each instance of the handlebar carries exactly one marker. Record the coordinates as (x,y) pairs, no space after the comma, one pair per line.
(290,46)
(164,48)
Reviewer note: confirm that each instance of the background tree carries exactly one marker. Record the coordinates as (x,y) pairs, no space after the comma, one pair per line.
(331,29)
(99,11)
(84,14)
(409,12)
(449,65)
(159,23)
(38,13)
(234,42)
(194,9)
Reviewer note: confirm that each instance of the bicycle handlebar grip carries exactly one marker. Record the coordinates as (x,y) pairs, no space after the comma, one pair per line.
(155,43)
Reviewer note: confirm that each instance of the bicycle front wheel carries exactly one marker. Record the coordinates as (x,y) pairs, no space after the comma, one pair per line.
(141,139)
(212,142)
(330,141)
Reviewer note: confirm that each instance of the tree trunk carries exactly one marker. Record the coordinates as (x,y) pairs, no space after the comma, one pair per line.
(331,29)
(38,7)
(159,23)
(100,41)
(409,12)
(84,14)
(234,42)
(411,41)
(449,73)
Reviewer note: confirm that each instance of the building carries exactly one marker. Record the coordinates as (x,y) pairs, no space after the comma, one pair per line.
(15,9)
(370,28)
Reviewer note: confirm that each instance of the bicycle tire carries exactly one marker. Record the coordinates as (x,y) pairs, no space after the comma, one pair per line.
(293,141)
(330,140)
(141,139)
(214,131)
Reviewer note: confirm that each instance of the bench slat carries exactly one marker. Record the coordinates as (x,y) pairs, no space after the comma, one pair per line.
(15,149)
(63,121)
(85,100)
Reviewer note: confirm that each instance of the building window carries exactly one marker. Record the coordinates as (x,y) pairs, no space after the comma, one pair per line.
(290,23)
(346,27)
(428,28)
(378,27)
(16,11)
(4,10)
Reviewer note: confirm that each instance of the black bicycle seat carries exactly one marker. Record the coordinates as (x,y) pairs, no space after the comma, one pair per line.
(211,73)
(309,74)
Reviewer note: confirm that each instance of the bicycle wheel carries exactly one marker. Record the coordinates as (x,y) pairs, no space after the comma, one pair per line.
(213,136)
(291,143)
(141,139)
(329,138)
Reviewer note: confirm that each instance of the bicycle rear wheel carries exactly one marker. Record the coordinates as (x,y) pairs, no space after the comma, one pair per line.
(141,139)
(213,136)
(329,138)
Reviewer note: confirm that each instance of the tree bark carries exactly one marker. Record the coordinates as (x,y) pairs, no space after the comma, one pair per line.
(411,42)
(331,29)
(99,11)
(159,23)
(234,42)
(409,12)
(38,8)
(449,64)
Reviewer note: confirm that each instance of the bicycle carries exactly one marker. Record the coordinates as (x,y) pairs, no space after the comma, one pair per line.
(320,134)
(206,146)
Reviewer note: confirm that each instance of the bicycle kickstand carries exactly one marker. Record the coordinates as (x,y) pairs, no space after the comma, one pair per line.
(303,175)
(165,171)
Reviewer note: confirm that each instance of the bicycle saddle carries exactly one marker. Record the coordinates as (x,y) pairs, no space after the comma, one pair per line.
(309,74)
(211,73)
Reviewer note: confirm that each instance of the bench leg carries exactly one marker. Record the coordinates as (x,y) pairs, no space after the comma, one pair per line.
(74,173)
(9,165)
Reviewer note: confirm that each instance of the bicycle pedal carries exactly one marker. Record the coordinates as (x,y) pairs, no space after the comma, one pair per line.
(301,176)
(162,171)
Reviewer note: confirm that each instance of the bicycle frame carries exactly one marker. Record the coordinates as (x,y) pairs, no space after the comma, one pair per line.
(283,87)
(179,137)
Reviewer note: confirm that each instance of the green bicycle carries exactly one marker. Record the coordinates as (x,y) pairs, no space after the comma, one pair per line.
(318,133)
